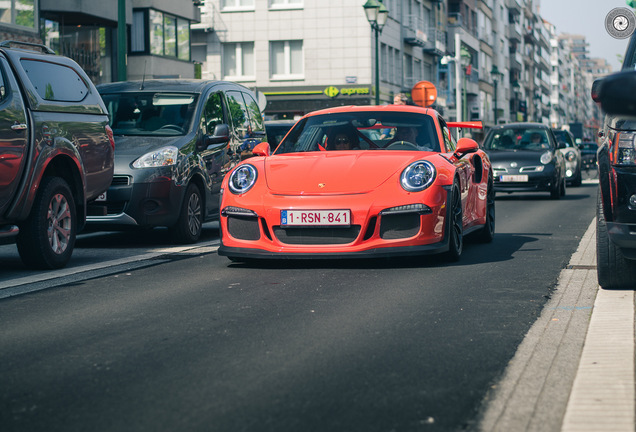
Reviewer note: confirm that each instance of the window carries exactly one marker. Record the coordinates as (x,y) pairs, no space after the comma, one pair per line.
(238,60)
(213,113)
(18,12)
(237,4)
(286,59)
(285,3)
(55,82)
(246,115)
(166,35)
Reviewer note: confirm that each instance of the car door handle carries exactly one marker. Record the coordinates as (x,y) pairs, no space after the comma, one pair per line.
(18,126)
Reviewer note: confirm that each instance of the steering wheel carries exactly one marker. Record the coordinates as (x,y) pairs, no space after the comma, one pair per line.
(173,127)
(402,145)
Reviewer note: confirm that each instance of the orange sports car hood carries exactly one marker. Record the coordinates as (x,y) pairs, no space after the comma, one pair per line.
(328,173)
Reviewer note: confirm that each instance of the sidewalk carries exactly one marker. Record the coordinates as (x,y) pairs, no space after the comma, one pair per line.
(574,371)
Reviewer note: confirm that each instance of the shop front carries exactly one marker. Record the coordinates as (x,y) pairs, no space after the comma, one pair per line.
(293,102)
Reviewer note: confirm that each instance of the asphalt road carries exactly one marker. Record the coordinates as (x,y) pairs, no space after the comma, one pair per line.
(192,342)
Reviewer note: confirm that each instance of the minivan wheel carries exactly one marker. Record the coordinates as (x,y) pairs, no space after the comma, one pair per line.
(613,270)
(189,225)
(46,239)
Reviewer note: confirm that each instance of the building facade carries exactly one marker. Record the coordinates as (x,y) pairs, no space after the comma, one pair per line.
(156,43)
(493,60)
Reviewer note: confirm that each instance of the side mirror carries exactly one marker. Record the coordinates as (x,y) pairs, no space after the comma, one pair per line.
(220,135)
(561,145)
(596,88)
(465,146)
(616,93)
(261,149)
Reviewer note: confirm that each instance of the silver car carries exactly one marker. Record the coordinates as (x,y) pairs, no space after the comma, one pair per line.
(572,155)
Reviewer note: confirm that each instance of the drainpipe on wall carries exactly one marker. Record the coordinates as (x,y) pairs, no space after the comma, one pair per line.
(122,46)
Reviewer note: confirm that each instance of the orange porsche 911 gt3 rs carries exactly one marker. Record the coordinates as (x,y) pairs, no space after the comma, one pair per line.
(359,181)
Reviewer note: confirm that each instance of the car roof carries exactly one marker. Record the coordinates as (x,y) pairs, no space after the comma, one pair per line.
(375,108)
(166,85)
(526,125)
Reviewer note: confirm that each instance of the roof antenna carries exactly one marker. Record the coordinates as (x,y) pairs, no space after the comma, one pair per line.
(143,79)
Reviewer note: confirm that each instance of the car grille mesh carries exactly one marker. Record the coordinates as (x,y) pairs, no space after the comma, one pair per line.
(317,236)
(120,181)
(399,226)
(243,228)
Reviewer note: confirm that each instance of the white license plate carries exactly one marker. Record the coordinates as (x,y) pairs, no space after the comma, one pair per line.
(514,178)
(101,197)
(315,217)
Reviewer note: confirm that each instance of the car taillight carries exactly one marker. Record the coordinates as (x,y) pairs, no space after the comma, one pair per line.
(111,137)
(625,148)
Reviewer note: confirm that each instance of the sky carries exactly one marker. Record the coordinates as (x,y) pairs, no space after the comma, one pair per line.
(587,17)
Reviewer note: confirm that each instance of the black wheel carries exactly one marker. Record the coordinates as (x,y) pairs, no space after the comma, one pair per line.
(614,271)
(487,233)
(47,237)
(578,178)
(563,187)
(190,222)
(456,225)
(557,189)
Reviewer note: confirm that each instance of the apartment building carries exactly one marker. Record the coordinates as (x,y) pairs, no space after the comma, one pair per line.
(156,40)
(492,60)
(304,55)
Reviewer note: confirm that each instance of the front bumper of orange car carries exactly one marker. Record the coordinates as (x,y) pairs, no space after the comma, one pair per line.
(402,223)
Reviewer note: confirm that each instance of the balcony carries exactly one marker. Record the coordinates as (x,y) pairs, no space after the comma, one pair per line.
(414,32)
(514,6)
(435,42)
(513,32)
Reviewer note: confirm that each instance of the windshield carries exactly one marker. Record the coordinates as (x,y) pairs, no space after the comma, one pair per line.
(514,139)
(367,130)
(150,114)
(564,137)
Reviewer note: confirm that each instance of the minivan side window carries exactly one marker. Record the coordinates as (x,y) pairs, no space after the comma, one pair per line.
(239,114)
(256,120)
(213,113)
(55,82)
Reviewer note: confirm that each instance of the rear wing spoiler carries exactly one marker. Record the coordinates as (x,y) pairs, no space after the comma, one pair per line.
(469,125)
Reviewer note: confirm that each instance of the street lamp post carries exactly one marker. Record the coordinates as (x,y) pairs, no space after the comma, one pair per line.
(466,59)
(496,75)
(376,14)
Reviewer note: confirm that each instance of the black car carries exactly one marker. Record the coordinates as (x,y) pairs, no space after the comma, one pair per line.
(588,155)
(174,142)
(616,158)
(525,158)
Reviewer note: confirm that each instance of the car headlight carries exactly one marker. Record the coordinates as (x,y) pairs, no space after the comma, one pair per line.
(242,179)
(546,158)
(165,156)
(570,156)
(417,176)
(625,148)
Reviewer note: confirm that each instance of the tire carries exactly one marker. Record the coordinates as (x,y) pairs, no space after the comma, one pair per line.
(578,179)
(455,226)
(46,239)
(189,225)
(558,189)
(613,270)
(487,233)
(563,187)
